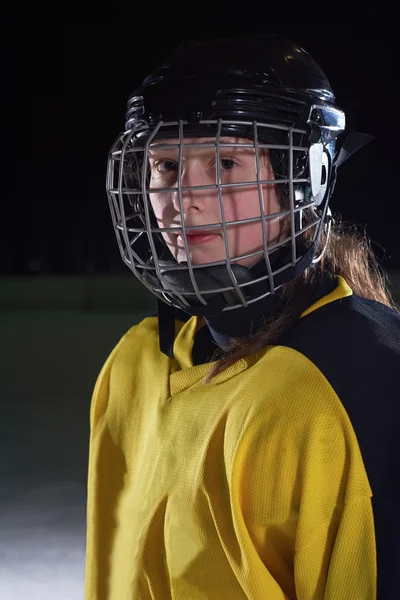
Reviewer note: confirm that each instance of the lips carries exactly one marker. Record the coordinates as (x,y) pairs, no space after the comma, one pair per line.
(201,231)
(200,236)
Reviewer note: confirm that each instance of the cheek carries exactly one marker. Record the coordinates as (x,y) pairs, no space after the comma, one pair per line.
(164,214)
(157,204)
(245,205)
(162,208)
(241,205)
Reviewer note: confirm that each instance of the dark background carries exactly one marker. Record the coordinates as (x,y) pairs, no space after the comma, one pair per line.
(67,85)
(65,296)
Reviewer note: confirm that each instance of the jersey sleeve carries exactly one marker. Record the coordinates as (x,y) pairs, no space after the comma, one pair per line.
(355,344)
(306,496)
(105,477)
(100,394)
(339,561)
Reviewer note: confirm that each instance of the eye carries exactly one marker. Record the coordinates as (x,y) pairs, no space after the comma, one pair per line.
(165,166)
(227,163)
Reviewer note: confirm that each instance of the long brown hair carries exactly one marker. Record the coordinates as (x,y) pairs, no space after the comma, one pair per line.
(348,253)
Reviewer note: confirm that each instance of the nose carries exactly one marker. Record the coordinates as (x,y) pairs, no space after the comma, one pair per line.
(194,200)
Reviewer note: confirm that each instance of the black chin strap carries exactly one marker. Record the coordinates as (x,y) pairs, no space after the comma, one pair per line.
(166,320)
(168,313)
(166,327)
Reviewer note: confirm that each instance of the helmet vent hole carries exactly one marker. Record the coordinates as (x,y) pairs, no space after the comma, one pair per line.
(323,175)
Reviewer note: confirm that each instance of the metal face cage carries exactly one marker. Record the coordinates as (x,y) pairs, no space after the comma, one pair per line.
(301,170)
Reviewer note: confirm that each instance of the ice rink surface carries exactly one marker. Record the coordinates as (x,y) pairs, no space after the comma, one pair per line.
(49,361)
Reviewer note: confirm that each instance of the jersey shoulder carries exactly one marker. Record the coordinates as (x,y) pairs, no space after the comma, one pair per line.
(355,343)
(350,329)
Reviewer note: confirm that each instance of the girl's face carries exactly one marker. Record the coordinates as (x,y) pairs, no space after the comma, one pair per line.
(201,207)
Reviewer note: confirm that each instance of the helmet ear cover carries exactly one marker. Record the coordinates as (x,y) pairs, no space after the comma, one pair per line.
(319,169)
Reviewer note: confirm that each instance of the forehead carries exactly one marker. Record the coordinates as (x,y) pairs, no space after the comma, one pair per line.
(174,143)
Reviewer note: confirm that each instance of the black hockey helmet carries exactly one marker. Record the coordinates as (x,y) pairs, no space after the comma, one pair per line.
(261,88)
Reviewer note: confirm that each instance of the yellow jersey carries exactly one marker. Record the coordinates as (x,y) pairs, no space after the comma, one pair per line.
(253,486)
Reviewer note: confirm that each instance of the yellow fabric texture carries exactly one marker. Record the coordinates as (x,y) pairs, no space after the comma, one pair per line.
(249,487)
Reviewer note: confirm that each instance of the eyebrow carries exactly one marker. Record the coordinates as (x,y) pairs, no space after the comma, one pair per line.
(206,146)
